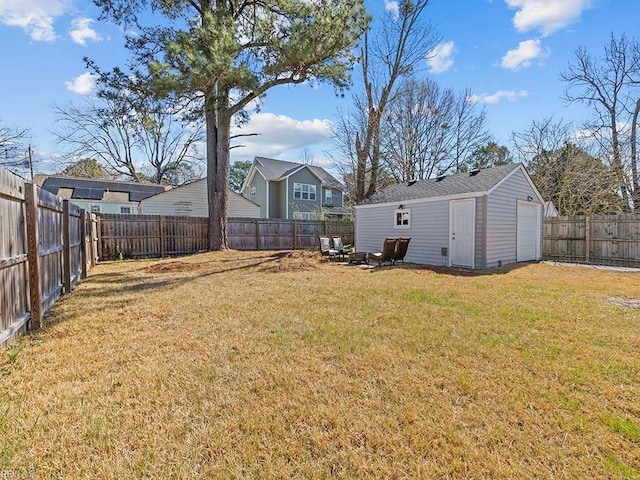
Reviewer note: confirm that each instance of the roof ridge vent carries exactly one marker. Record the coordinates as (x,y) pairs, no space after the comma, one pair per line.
(474,172)
(412,182)
(440,177)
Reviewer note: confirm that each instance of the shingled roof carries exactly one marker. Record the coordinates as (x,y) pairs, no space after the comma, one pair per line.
(87,189)
(467,182)
(277,170)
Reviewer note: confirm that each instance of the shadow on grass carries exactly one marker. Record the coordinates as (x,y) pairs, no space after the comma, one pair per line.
(115,284)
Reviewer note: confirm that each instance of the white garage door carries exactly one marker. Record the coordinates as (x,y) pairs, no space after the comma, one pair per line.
(528,233)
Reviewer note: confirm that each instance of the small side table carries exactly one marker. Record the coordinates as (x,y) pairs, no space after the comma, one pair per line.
(359,257)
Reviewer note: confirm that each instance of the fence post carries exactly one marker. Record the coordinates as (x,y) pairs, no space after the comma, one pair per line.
(257,234)
(99,236)
(33,255)
(587,238)
(161,227)
(93,239)
(66,255)
(83,242)
(295,235)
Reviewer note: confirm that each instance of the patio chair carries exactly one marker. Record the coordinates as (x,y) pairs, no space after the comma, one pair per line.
(325,248)
(401,250)
(339,247)
(388,248)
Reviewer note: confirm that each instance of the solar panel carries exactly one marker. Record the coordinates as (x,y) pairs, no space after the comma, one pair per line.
(137,196)
(87,193)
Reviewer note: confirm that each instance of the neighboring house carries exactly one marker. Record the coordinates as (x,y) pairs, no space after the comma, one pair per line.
(478,219)
(99,196)
(191,200)
(294,190)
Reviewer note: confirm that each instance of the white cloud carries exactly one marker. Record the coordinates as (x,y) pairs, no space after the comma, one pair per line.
(496,97)
(81,31)
(547,16)
(524,54)
(278,134)
(439,59)
(36,17)
(392,6)
(83,84)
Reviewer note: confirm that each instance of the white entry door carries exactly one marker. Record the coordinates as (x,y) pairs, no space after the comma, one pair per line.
(462,225)
(528,234)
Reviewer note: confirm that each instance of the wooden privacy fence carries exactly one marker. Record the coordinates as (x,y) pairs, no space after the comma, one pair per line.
(46,246)
(596,239)
(135,236)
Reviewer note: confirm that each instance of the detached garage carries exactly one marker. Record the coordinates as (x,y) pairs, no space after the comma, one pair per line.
(479,219)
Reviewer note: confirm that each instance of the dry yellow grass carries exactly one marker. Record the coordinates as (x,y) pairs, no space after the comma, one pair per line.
(274,365)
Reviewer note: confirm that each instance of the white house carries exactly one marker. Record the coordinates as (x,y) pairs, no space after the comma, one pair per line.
(191,200)
(478,219)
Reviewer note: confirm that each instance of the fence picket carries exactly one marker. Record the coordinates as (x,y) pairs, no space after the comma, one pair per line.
(597,239)
(158,236)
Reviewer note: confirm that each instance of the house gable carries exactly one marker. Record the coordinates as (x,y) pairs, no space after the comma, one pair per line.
(191,200)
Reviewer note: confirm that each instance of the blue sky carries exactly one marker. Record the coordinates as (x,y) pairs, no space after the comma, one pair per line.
(509,53)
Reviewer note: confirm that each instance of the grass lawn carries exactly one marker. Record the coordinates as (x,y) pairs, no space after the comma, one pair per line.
(275,365)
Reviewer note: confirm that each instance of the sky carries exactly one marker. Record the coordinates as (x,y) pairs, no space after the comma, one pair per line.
(508,53)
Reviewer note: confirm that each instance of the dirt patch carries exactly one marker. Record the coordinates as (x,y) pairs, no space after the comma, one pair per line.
(296,261)
(631,303)
(171,267)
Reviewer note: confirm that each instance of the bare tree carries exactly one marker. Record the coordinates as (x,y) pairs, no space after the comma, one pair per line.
(417,130)
(306,156)
(608,84)
(388,53)
(101,129)
(565,169)
(14,154)
(429,130)
(469,128)
(141,141)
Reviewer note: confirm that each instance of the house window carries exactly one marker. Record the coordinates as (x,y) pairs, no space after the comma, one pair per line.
(252,193)
(95,208)
(304,215)
(125,210)
(303,191)
(328,197)
(402,218)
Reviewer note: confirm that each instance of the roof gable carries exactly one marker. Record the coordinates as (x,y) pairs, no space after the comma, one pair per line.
(457,184)
(277,170)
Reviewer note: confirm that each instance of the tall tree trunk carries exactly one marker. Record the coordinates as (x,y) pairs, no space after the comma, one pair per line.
(218,120)
(361,169)
(375,159)
(635,181)
(617,164)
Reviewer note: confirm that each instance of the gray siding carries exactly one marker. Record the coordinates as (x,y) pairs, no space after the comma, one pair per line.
(502,217)
(429,230)
(276,204)
(299,205)
(336,194)
(479,237)
(261,193)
